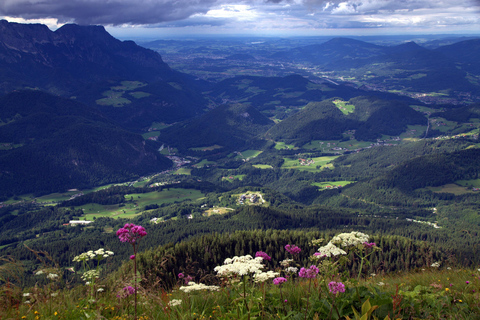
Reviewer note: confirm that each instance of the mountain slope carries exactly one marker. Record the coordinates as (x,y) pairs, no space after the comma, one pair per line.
(230,126)
(55,143)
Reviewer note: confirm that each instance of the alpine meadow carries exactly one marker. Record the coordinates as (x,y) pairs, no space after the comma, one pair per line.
(237,176)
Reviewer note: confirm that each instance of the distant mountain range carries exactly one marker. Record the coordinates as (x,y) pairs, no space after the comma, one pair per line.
(407,65)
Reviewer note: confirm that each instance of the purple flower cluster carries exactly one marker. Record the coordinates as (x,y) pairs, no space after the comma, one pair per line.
(131,233)
(336,287)
(308,273)
(263,255)
(279,280)
(127,291)
(369,244)
(293,249)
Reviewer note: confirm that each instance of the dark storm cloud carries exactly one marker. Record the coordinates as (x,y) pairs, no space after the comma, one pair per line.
(113,12)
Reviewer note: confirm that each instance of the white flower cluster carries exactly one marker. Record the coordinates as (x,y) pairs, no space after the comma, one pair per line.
(174,302)
(91,275)
(350,239)
(435,264)
(90,255)
(330,250)
(240,265)
(52,276)
(192,286)
(286,262)
(264,276)
(291,270)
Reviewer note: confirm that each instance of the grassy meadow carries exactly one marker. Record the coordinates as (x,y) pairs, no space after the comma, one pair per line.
(136,203)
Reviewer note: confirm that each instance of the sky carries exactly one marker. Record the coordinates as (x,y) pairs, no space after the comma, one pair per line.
(167,18)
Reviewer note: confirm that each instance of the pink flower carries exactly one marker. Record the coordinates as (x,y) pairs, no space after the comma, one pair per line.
(308,273)
(131,233)
(467,282)
(263,255)
(279,280)
(292,249)
(336,287)
(369,245)
(181,275)
(132,257)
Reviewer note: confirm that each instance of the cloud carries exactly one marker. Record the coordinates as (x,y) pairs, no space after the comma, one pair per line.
(255,15)
(114,12)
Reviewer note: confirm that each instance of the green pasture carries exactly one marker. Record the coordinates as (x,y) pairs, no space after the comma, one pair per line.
(414,132)
(137,202)
(204,163)
(344,106)
(474,183)
(322,145)
(157,126)
(234,177)
(283,145)
(320,162)
(248,154)
(150,134)
(323,185)
(450,188)
(113,98)
(183,171)
(139,94)
(263,166)
(207,148)
(9,146)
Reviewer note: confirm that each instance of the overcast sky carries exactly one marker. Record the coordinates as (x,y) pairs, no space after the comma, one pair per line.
(132,18)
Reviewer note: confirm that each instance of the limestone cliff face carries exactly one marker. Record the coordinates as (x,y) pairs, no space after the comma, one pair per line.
(61,61)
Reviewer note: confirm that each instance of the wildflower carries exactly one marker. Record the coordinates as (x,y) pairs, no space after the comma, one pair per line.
(132,257)
(446,289)
(291,270)
(100,290)
(27,302)
(263,255)
(285,300)
(292,249)
(369,245)
(192,286)
(286,262)
(52,276)
(181,275)
(278,281)
(54,294)
(174,302)
(39,272)
(330,250)
(319,255)
(336,287)
(381,284)
(264,276)
(435,264)
(26,294)
(350,239)
(308,273)
(131,233)
(467,282)
(240,265)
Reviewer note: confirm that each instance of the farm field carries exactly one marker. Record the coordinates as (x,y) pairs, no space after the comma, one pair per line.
(325,184)
(316,164)
(327,145)
(283,145)
(474,183)
(344,106)
(248,154)
(233,177)
(217,210)
(137,203)
(207,148)
(450,188)
(262,166)
(183,171)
